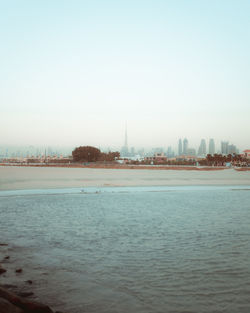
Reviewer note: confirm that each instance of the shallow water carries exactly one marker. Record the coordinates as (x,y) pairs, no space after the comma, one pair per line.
(133,249)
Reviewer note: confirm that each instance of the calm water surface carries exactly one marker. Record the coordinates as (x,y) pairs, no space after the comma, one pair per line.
(150,249)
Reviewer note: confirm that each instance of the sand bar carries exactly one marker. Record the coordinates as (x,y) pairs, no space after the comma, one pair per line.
(12,178)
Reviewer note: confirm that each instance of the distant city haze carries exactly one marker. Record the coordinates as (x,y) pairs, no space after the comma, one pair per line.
(77,72)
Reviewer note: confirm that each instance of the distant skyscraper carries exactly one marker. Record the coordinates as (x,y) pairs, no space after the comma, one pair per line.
(224,147)
(132,151)
(232,149)
(202,149)
(185,146)
(126,137)
(211,147)
(170,152)
(180,147)
(124,150)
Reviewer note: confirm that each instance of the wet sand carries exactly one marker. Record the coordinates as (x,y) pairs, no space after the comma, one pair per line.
(13,177)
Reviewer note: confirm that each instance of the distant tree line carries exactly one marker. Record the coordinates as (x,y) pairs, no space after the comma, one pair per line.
(221,160)
(93,154)
(167,162)
(210,160)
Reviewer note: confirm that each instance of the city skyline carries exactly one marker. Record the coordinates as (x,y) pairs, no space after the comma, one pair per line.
(182,148)
(72,74)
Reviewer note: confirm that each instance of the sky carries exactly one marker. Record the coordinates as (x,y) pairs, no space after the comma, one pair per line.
(76,72)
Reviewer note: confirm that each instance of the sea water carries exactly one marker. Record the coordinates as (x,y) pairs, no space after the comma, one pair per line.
(133,249)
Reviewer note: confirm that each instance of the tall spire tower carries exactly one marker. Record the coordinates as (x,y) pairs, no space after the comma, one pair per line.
(124,149)
(126,136)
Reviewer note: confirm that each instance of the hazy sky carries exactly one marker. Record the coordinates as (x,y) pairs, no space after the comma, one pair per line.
(73,72)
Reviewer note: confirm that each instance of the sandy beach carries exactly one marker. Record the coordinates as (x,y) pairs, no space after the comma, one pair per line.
(12,178)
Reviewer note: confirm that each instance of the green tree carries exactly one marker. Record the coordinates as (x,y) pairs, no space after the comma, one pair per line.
(109,157)
(86,154)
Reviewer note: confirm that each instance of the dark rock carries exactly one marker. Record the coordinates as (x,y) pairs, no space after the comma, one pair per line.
(3,244)
(8,286)
(5,259)
(25,294)
(19,270)
(24,304)
(30,282)
(7,307)
(2,270)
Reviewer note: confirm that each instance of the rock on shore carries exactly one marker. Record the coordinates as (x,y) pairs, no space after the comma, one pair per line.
(11,303)
(15,301)
(7,307)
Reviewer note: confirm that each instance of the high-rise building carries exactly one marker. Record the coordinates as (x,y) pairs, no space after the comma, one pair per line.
(211,149)
(170,152)
(124,149)
(126,137)
(185,146)
(202,149)
(180,147)
(232,149)
(224,147)
(132,151)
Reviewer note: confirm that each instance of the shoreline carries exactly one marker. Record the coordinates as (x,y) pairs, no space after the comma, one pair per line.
(92,190)
(17,293)
(125,167)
